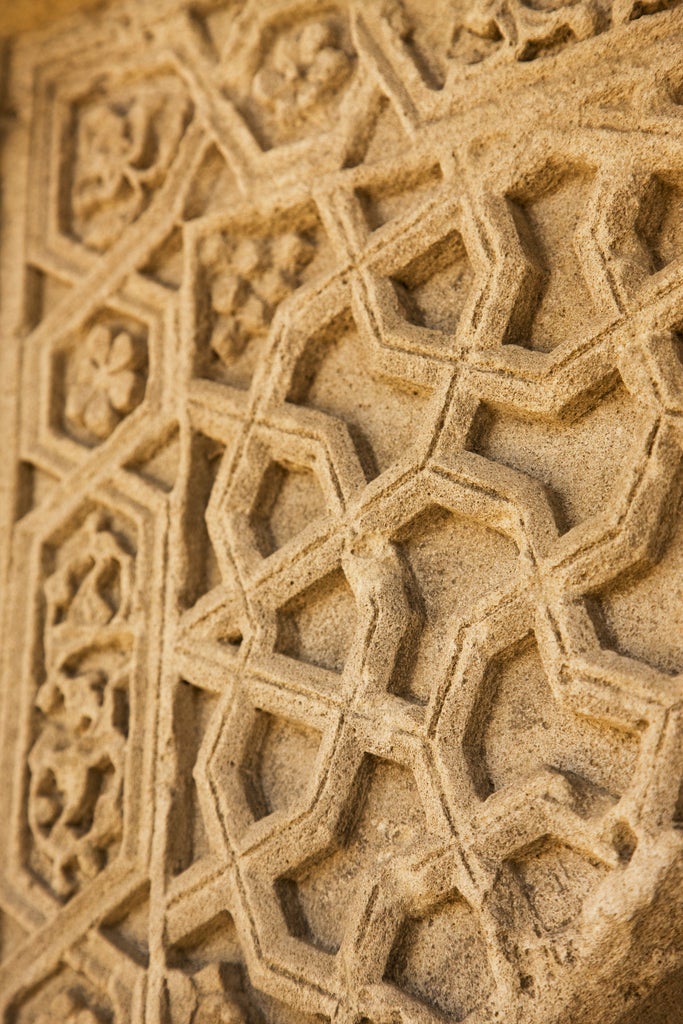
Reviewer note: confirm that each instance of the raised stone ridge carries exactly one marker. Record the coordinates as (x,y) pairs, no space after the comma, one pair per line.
(341,550)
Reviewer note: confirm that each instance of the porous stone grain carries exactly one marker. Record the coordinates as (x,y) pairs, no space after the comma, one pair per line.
(341,549)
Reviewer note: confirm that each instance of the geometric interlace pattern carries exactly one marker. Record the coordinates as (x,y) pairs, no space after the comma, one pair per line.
(343,418)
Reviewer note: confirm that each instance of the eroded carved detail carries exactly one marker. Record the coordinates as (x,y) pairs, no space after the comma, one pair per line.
(303,71)
(527,30)
(76,761)
(248,278)
(406,346)
(292,76)
(106,381)
(125,142)
(66,996)
(520,30)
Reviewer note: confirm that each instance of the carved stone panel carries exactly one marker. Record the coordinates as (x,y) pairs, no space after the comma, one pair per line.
(341,554)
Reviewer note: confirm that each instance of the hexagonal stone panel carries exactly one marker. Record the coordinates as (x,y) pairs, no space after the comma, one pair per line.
(279,762)
(301,68)
(441,959)
(318,624)
(289,499)
(454,562)
(100,378)
(386,819)
(526,728)
(125,135)
(244,268)
(336,376)
(82,708)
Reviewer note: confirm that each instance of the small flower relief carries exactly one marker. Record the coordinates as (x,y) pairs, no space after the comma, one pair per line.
(69,1008)
(205,998)
(523,31)
(247,279)
(125,145)
(304,71)
(106,382)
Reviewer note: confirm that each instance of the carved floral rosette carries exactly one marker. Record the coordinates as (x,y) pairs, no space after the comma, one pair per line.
(76,762)
(83,721)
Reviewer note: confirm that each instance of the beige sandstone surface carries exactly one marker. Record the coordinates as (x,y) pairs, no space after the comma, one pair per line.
(341,548)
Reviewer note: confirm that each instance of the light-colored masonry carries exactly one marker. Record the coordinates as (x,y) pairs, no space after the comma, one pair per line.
(341,412)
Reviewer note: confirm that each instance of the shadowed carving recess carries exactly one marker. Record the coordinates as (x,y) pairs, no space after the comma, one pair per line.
(341,557)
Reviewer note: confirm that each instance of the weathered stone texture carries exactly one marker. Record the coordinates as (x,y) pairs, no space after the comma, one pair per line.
(341,402)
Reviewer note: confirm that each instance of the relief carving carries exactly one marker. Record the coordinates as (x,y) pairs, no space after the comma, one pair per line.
(304,70)
(66,996)
(528,30)
(300,72)
(342,674)
(247,279)
(107,381)
(76,761)
(76,767)
(516,29)
(124,145)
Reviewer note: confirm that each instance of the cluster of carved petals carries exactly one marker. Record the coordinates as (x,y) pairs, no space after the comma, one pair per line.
(248,278)
(303,70)
(108,381)
(125,144)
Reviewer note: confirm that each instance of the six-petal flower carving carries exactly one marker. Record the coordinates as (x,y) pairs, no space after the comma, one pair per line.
(108,381)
